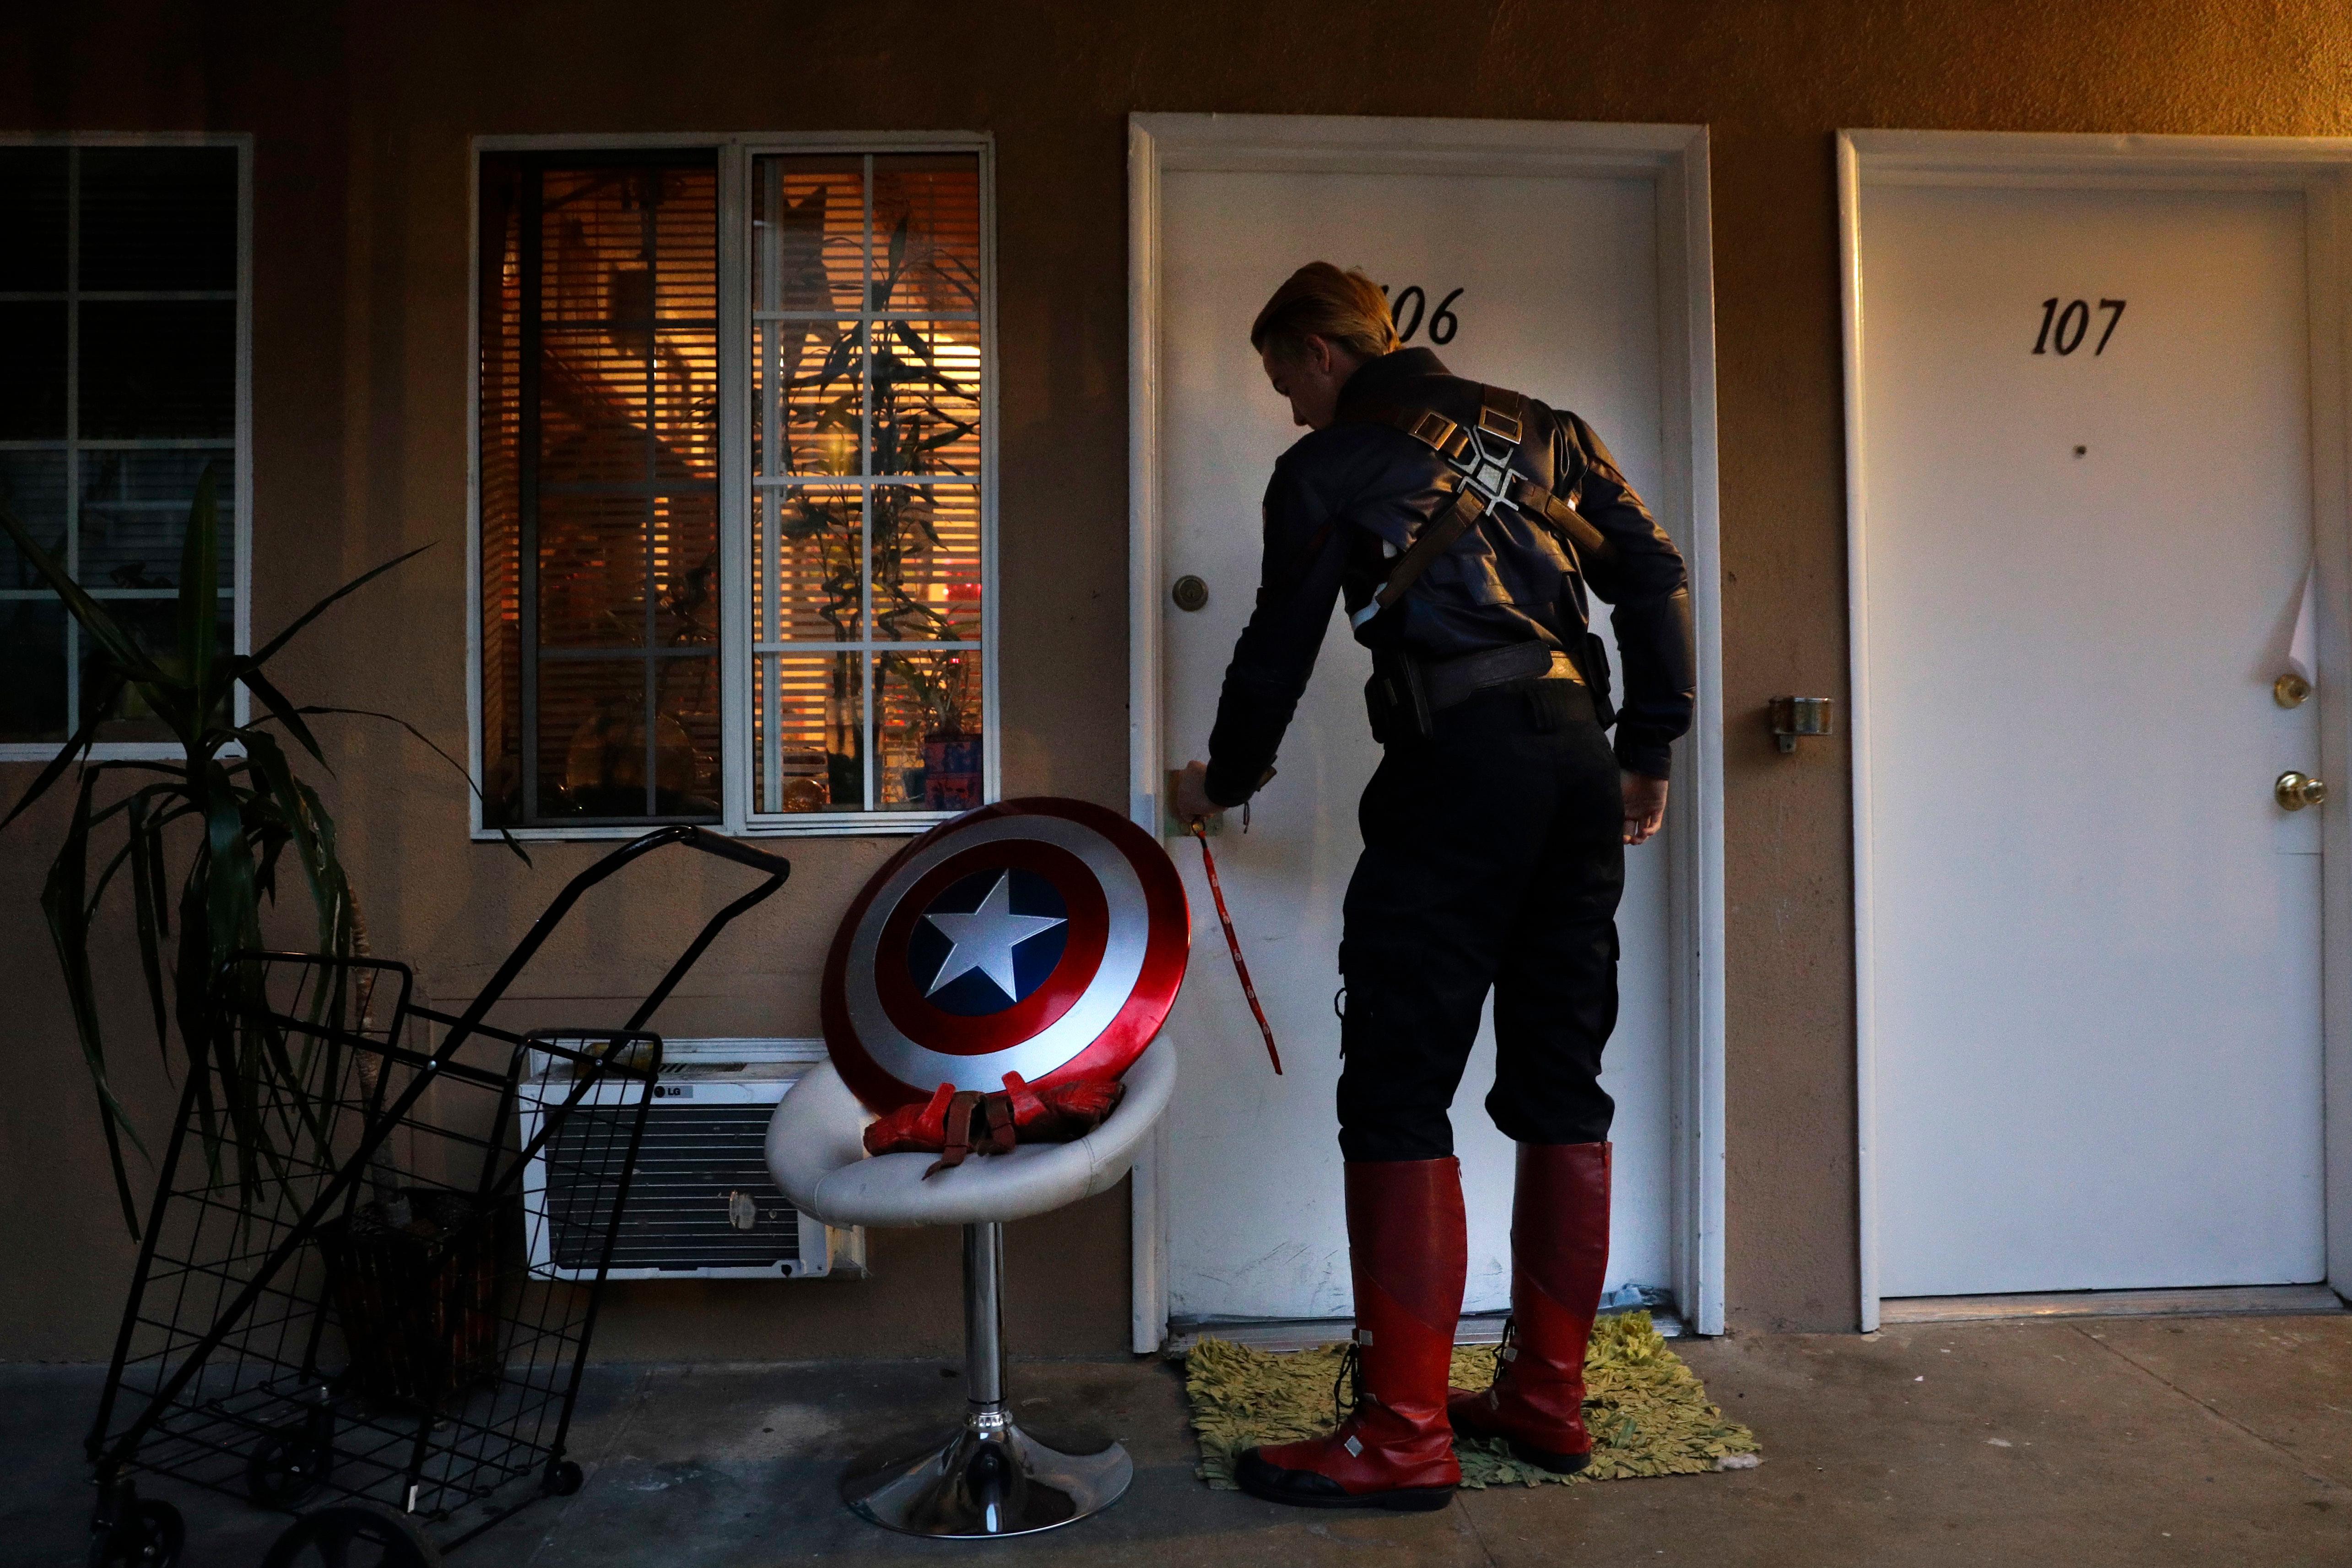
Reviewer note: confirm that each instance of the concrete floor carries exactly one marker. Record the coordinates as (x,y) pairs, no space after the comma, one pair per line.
(2136,1443)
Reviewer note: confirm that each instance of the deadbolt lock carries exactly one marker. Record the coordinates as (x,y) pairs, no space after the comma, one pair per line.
(1189,593)
(2295,791)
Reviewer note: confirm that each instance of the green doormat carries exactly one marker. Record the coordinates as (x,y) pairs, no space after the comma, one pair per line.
(1648,1412)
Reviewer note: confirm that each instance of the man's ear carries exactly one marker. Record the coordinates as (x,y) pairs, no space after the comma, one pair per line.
(1315,354)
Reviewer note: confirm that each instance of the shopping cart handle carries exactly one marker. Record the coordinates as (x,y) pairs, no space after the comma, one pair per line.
(742,854)
(709,843)
(776,867)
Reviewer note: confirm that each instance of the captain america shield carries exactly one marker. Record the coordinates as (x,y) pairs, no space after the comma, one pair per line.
(1043,937)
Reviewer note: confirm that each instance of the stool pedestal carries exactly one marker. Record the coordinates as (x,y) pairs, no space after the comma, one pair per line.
(988,1478)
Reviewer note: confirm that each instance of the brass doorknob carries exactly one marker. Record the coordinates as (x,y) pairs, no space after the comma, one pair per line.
(2295,791)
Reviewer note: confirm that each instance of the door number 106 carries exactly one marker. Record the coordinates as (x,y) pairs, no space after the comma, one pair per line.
(2071,322)
(1442,323)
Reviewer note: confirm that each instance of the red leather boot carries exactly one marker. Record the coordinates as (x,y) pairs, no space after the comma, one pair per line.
(1408,1253)
(1559,1250)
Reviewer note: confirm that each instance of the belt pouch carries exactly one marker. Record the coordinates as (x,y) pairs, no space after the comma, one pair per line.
(1596,679)
(1396,700)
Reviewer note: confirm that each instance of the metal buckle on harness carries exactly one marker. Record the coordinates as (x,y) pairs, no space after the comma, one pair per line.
(1495,421)
(1432,430)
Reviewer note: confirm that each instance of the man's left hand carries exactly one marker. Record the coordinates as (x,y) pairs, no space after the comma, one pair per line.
(1645,806)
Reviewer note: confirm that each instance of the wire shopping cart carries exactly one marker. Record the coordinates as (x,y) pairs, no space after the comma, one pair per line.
(334,1307)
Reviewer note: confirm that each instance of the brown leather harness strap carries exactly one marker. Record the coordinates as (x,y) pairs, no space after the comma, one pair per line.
(1433,541)
(1586,541)
(957,1141)
(977,1123)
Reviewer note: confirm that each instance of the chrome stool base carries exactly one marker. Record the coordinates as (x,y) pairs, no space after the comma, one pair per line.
(990,1479)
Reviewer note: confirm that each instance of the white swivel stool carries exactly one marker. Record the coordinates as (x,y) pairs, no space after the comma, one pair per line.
(988,1478)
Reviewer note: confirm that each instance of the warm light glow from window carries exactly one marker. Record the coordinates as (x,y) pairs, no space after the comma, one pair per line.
(867,527)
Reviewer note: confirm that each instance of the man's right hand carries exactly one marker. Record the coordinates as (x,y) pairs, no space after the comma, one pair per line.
(1645,806)
(1192,793)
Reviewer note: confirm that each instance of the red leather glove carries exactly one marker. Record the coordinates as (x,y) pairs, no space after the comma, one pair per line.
(949,1124)
(913,1129)
(1063,1111)
(955,1125)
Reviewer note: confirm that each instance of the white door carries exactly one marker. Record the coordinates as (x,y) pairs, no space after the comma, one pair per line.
(1253,1196)
(2094,937)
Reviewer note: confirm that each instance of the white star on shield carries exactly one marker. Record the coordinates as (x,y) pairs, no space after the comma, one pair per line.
(984,939)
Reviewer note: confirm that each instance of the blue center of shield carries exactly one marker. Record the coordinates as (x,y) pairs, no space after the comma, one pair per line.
(987,941)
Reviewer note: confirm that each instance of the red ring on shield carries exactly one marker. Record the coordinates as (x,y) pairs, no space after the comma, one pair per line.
(1105,933)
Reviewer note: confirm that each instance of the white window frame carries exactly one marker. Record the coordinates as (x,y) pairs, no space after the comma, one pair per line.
(736,153)
(241,445)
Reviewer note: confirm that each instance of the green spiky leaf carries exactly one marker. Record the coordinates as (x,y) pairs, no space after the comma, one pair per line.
(236,787)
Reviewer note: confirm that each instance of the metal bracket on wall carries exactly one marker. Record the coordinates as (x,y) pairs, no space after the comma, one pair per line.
(1796,716)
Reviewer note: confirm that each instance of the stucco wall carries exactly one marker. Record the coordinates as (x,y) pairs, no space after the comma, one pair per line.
(362,116)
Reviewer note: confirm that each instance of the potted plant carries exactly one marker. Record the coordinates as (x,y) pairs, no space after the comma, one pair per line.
(908,429)
(236,784)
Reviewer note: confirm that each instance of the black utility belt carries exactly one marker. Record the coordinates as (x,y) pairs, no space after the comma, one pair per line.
(1453,680)
(1405,694)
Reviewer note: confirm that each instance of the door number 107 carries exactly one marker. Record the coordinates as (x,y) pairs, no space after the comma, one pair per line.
(2071,322)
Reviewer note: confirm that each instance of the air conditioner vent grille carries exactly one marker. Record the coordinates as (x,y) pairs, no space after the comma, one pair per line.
(682,1208)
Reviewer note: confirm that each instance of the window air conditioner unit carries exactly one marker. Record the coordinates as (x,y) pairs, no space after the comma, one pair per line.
(702,1204)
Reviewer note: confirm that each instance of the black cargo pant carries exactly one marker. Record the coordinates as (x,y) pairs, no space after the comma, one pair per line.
(1493,857)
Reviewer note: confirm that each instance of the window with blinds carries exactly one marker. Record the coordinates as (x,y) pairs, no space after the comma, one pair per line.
(123,306)
(866,502)
(599,504)
(733,545)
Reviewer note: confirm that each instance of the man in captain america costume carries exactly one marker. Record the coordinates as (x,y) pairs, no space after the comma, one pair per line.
(1462,527)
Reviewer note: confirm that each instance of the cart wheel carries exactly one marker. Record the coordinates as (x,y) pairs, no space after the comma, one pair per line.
(353,1535)
(150,1536)
(563,1478)
(285,1466)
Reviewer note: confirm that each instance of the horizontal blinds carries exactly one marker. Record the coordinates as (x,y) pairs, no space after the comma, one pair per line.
(600,486)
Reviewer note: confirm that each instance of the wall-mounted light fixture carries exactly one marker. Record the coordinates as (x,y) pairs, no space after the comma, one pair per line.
(1795,716)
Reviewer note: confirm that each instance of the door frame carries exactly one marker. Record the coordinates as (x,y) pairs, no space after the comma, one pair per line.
(2319,167)
(1674,158)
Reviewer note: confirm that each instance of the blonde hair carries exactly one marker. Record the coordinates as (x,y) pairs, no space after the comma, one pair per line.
(1346,310)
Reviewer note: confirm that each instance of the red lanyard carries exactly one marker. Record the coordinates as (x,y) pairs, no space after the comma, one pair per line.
(1233,946)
